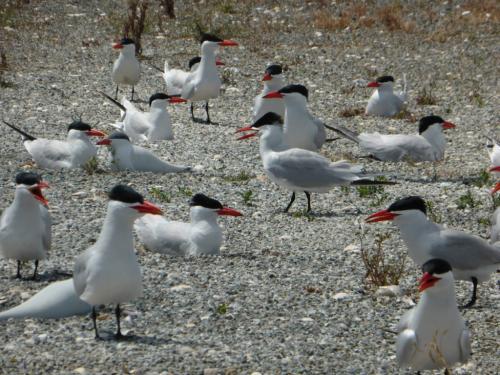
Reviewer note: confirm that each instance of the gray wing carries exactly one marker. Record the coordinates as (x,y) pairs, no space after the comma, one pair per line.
(406,347)
(320,136)
(188,88)
(50,153)
(80,272)
(47,228)
(465,348)
(464,251)
(404,321)
(495,226)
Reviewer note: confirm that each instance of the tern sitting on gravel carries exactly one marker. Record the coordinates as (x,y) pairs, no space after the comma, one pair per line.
(495,220)
(154,125)
(204,83)
(300,129)
(128,157)
(428,145)
(433,334)
(301,170)
(384,102)
(75,152)
(126,69)
(25,226)
(273,81)
(471,257)
(202,236)
(108,271)
(175,78)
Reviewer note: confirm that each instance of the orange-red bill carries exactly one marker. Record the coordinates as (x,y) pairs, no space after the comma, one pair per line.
(148,208)
(267,77)
(104,142)
(37,192)
(228,43)
(373,84)
(117,46)
(176,99)
(448,125)
(229,212)
(273,95)
(245,129)
(427,281)
(249,135)
(95,133)
(495,169)
(384,215)
(496,188)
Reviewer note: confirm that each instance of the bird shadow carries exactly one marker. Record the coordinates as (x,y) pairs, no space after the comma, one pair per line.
(49,276)
(108,336)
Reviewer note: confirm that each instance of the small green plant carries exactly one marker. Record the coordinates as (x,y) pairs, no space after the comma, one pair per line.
(466,200)
(185,191)
(380,269)
(484,221)
(91,166)
(432,213)
(496,200)
(365,191)
(240,177)
(304,214)
(425,96)
(222,309)
(484,179)
(247,197)
(161,195)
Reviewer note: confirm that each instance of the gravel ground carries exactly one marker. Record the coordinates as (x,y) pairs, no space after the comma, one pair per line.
(287,294)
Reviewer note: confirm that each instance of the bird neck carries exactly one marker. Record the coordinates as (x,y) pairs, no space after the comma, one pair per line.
(128,51)
(274,84)
(296,111)
(385,89)
(271,140)
(434,135)
(116,232)
(207,63)
(200,214)
(444,297)
(23,200)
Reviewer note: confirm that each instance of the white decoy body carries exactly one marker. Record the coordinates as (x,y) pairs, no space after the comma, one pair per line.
(273,81)
(128,157)
(495,221)
(300,128)
(384,102)
(433,334)
(471,258)
(202,236)
(108,271)
(25,226)
(126,69)
(75,152)
(428,145)
(300,170)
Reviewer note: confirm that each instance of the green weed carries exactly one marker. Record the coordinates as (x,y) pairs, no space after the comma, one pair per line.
(161,195)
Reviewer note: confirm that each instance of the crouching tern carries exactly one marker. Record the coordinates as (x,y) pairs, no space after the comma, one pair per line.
(25,226)
(471,258)
(202,236)
(128,157)
(384,102)
(300,170)
(433,334)
(108,272)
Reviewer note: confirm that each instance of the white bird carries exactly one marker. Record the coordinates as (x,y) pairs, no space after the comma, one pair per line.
(300,129)
(128,157)
(494,154)
(202,236)
(204,83)
(74,152)
(108,272)
(152,126)
(55,301)
(25,226)
(433,334)
(300,170)
(126,69)
(384,102)
(428,145)
(471,258)
(273,81)
(495,219)
(175,78)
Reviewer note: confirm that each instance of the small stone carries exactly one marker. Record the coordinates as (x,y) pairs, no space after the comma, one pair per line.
(80,370)
(388,291)
(179,287)
(340,296)
(211,371)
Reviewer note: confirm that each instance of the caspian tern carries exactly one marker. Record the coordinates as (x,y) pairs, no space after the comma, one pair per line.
(384,102)
(428,145)
(301,170)
(128,157)
(301,129)
(273,81)
(154,125)
(494,154)
(126,69)
(202,236)
(108,271)
(471,258)
(495,219)
(204,83)
(175,78)
(75,152)
(25,226)
(433,334)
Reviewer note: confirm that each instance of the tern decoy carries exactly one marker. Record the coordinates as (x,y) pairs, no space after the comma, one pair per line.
(128,157)
(384,102)
(126,69)
(108,271)
(204,83)
(300,129)
(428,145)
(25,226)
(75,152)
(273,81)
(300,170)
(152,126)
(433,334)
(471,258)
(202,236)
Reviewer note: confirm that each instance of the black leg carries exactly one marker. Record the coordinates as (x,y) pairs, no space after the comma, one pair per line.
(132,94)
(118,331)
(18,274)
(94,317)
(116,93)
(291,202)
(474,292)
(308,195)
(192,111)
(36,269)
(206,110)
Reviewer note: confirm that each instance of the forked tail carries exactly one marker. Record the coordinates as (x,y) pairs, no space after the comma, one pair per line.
(26,136)
(118,104)
(349,134)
